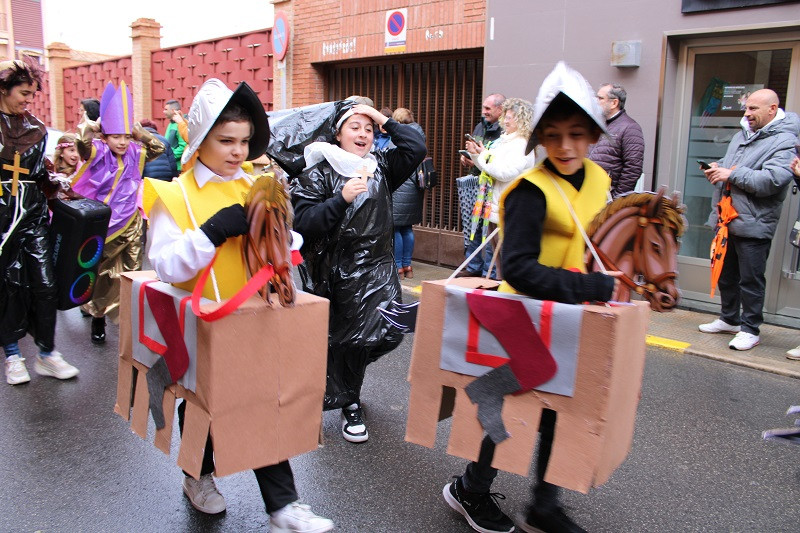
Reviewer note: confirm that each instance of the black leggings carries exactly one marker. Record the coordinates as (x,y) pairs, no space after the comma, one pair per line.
(480,475)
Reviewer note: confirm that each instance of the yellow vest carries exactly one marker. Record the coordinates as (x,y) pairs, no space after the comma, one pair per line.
(229,267)
(562,244)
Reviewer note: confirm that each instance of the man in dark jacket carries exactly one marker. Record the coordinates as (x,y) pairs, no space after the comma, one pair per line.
(486,131)
(756,166)
(162,167)
(621,152)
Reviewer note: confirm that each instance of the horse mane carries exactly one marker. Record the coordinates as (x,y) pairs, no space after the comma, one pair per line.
(669,211)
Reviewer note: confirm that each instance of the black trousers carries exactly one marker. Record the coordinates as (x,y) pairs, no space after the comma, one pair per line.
(276,482)
(480,475)
(742,282)
(28,294)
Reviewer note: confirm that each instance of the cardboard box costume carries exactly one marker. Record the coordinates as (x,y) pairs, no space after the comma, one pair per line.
(256,370)
(594,428)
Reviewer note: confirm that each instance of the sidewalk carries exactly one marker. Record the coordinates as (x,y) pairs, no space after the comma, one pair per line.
(677,331)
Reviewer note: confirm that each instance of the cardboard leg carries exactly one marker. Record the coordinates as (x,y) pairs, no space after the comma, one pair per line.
(124,389)
(141,406)
(424,404)
(195,431)
(164,435)
(574,444)
(522,421)
(466,432)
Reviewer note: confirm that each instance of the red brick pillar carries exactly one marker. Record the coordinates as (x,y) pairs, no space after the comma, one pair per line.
(146,37)
(58,58)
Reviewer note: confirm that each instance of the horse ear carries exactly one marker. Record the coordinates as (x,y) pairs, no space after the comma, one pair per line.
(655,203)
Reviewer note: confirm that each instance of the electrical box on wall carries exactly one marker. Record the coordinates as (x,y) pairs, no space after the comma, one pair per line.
(626,53)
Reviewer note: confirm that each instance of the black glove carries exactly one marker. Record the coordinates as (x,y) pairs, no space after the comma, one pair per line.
(227,222)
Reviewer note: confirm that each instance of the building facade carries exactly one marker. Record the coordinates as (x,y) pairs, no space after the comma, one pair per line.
(687,66)
(426,56)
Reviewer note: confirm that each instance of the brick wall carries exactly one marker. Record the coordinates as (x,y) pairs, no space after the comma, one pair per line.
(41,102)
(332,31)
(178,72)
(89,81)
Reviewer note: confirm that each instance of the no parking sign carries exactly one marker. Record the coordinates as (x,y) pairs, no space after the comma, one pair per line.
(395,31)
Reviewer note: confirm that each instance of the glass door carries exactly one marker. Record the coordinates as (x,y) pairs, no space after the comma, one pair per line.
(717,80)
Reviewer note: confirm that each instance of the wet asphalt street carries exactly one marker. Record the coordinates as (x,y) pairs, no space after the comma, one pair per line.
(698,462)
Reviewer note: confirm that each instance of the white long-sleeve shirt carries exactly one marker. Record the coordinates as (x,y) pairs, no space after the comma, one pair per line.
(504,161)
(178,255)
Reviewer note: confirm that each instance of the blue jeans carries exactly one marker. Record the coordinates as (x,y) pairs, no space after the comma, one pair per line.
(479,263)
(403,245)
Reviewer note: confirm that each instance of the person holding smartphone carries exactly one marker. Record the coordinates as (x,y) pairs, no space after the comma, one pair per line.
(172,110)
(486,131)
(500,163)
(756,170)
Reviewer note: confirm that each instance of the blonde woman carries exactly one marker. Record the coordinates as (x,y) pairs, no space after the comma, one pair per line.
(500,163)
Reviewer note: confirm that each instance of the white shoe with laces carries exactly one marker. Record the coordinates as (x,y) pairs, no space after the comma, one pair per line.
(744,341)
(16,372)
(793,354)
(203,494)
(719,326)
(54,366)
(298,518)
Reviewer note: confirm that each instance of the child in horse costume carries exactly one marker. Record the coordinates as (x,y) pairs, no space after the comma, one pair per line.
(543,257)
(199,215)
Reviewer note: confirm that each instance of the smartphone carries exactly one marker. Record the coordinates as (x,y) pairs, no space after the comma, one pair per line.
(464,153)
(471,138)
(703,164)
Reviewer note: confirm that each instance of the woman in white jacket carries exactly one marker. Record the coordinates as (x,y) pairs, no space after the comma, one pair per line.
(500,163)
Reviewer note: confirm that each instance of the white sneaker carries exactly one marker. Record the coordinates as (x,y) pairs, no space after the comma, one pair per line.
(793,354)
(54,366)
(16,372)
(719,326)
(298,518)
(744,341)
(203,494)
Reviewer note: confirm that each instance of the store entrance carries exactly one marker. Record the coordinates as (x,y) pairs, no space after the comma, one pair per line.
(718,79)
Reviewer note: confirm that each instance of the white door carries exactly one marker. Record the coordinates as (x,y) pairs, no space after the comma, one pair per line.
(715,81)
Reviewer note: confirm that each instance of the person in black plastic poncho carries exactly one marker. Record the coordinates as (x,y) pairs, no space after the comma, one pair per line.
(343,209)
(27,281)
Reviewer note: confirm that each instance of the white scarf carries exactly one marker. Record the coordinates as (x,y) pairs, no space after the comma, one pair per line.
(342,161)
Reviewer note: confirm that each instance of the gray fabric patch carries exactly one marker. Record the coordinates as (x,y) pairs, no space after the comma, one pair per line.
(158,379)
(488,392)
(565,330)
(142,353)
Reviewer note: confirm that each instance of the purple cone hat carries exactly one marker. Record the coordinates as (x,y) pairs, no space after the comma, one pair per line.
(116,110)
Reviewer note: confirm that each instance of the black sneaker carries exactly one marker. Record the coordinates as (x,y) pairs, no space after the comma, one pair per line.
(99,330)
(480,509)
(554,520)
(353,427)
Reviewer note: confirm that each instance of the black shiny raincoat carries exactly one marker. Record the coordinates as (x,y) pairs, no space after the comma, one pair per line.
(27,280)
(349,256)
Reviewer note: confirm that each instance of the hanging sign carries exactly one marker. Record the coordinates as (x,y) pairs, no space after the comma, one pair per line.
(395,31)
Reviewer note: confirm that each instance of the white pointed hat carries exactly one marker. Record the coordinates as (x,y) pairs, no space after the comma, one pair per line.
(207,106)
(569,83)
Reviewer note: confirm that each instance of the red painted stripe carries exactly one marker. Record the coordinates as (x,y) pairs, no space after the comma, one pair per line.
(546,322)
(485,359)
(151,344)
(182,317)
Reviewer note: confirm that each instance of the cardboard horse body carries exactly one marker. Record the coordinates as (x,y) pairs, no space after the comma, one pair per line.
(636,234)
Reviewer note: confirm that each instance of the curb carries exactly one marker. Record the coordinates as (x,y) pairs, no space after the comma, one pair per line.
(686,348)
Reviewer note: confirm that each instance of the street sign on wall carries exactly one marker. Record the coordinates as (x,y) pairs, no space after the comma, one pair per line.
(280,36)
(395,31)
